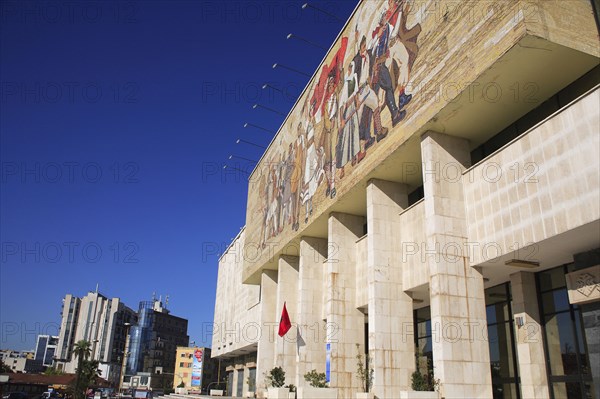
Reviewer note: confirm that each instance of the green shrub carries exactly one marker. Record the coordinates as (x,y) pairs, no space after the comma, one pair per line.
(276,377)
(315,379)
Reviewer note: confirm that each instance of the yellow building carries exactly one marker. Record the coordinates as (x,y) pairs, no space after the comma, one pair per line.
(193,368)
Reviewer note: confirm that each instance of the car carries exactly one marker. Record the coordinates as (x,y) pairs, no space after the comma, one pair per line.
(14,395)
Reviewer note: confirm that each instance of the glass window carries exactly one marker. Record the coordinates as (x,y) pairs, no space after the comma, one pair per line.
(496,294)
(501,351)
(564,341)
(555,301)
(552,279)
(562,349)
(567,390)
(424,357)
(505,391)
(503,362)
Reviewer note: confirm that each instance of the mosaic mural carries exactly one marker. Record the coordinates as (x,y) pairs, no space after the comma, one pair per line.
(338,121)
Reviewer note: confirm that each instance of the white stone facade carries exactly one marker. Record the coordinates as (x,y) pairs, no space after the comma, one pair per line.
(357,278)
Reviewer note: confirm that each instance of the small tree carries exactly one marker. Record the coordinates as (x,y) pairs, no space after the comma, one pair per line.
(423,382)
(315,379)
(82,350)
(276,377)
(418,381)
(251,384)
(364,371)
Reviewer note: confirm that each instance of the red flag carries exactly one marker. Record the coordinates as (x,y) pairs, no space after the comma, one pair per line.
(284,323)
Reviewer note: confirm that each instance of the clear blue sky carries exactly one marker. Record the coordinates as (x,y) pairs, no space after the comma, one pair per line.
(116,119)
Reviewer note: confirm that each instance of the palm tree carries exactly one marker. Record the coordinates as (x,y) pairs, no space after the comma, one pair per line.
(4,368)
(90,373)
(81,349)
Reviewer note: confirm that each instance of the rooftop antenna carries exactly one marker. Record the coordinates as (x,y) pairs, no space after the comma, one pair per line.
(153,296)
(166,301)
(96,288)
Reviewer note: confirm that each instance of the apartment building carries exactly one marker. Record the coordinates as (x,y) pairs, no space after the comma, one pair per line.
(99,320)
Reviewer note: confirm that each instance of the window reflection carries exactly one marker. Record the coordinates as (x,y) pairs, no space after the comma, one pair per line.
(564,339)
(503,362)
(423,342)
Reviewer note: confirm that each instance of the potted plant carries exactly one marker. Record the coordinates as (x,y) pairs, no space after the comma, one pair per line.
(275,382)
(181,389)
(318,387)
(365,374)
(424,385)
(292,392)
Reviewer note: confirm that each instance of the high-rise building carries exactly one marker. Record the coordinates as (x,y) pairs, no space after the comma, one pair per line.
(431,203)
(45,349)
(100,321)
(153,346)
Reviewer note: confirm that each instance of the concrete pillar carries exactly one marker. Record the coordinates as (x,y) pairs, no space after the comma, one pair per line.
(287,291)
(345,323)
(390,308)
(530,346)
(311,337)
(268,323)
(460,348)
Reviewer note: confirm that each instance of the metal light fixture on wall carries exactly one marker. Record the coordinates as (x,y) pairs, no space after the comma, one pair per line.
(255,106)
(278,65)
(291,35)
(258,127)
(238,141)
(237,169)
(242,158)
(522,263)
(308,5)
(266,85)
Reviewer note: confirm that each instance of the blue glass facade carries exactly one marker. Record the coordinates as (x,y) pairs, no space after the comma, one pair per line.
(140,337)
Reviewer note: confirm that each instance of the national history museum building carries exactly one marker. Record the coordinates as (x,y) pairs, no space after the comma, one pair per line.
(432,199)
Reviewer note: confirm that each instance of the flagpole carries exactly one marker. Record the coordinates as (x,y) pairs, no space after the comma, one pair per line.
(283,349)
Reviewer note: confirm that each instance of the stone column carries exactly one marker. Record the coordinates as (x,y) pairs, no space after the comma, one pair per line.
(530,347)
(345,323)
(390,308)
(268,322)
(287,291)
(460,348)
(311,338)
